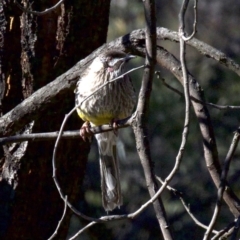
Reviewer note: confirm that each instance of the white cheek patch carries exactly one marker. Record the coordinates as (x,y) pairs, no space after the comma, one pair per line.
(96,65)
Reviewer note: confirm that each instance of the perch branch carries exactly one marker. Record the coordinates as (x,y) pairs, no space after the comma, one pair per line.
(45,97)
(33,106)
(66,134)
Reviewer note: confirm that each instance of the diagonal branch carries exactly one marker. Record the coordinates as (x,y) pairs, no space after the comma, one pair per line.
(187,208)
(42,99)
(209,144)
(139,123)
(203,48)
(39,101)
(223,183)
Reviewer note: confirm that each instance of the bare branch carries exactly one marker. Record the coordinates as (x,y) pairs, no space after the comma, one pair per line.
(186,90)
(179,195)
(203,48)
(34,105)
(222,186)
(60,221)
(48,10)
(53,135)
(224,231)
(236,229)
(187,106)
(82,230)
(220,107)
(209,144)
(139,123)
(194,23)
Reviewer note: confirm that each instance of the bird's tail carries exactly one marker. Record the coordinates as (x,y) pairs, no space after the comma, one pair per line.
(110,182)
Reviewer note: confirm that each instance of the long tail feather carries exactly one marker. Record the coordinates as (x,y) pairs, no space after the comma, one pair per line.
(110,182)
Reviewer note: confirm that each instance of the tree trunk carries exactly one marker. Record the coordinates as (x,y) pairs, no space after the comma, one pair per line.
(30,206)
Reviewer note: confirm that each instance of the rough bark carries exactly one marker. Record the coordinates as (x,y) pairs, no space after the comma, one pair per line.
(30,204)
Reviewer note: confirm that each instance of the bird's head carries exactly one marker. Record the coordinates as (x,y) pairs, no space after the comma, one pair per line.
(111,61)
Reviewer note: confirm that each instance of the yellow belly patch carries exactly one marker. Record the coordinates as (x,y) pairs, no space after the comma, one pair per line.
(96,120)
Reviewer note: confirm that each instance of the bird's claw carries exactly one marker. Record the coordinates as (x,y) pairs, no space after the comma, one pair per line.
(114,125)
(85,131)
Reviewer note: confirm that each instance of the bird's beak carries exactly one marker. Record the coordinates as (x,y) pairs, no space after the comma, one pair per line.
(129,57)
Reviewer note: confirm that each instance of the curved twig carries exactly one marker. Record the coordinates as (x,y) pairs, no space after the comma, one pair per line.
(194,23)
(48,10)
(179,195)
(60,221)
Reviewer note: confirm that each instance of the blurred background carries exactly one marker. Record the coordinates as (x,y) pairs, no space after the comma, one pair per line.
(218,25)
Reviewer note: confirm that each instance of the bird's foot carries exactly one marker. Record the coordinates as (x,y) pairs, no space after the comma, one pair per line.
(114,125)
(85,131)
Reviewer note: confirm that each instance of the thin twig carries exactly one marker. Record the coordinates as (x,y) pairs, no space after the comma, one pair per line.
(119,217)
(168,61)
(224,231)
(82,230)
(236,229)
(187,100)
(60,221)
(194,23)
(222,186)
(139,123)
(201,47)
(220,107)
(179,195)
(48,10)
(47,136)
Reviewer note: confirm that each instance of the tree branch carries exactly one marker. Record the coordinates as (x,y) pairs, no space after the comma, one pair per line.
(60,221)
(139,123)
(134,43)
(222,186)
(203,48)
(209,145)
(179,195)
(217,106)
(194,23)
(40,100)
(53,135)
(48,10)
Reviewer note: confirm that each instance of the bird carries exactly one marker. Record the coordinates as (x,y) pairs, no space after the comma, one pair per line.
(113,102)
